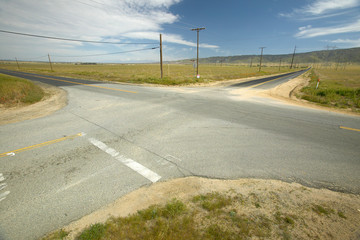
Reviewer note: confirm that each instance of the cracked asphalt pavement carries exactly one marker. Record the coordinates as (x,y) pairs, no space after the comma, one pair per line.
(113,138)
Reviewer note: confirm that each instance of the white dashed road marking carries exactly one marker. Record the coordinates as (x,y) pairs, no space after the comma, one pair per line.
(137,167)
(3,186)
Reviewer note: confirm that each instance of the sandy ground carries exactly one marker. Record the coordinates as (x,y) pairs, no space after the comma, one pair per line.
(273,196)
(55,99)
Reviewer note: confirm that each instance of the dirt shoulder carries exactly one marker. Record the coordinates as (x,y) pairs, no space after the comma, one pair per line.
(287,91)
(55,99)
(315,213)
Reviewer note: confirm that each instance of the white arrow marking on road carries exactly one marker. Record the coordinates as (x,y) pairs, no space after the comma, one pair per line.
(137,167)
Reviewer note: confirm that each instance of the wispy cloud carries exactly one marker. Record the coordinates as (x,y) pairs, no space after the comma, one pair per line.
(309,31)
(86,19)
(167,38)
(110,20)
(323,6)
(318,10)
(348,42)
(322,9)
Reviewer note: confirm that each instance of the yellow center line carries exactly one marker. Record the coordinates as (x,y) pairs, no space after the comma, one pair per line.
(89,85)
(351,129)
(40,145)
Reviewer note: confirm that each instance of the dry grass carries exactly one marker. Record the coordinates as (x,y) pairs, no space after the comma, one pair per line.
(174,74)
(338,88)
(227,215)
(15,90)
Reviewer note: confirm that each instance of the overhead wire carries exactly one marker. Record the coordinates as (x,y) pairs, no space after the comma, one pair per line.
(104,54)
(70,39)
(90,5)
(34,58)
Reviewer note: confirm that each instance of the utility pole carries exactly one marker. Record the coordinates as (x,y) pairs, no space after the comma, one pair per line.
(292,60)
(262,48)
(161,57)
(280,65)
(17,64)
(197,58)
(50,63)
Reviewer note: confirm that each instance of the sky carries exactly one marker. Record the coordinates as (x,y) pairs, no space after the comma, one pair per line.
(232,27)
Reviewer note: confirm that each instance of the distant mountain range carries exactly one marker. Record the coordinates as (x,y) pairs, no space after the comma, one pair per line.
(351,55)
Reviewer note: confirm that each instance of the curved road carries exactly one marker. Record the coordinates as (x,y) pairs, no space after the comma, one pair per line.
(113,138)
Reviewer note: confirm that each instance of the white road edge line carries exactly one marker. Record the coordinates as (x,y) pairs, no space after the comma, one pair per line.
(137,167)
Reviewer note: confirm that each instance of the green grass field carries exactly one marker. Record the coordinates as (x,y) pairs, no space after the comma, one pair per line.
(338,88)
(174,74)
(15,90)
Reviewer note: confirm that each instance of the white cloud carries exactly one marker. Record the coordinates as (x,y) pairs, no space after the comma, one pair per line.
(348,42)
(323,6)
(91,20)
(167,38)
(322,9)
(305,28)
(110,20)
(309,32)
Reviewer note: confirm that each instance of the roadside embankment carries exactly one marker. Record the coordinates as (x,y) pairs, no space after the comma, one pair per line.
(198,208)
(333,94)
(21,99)
(15,91)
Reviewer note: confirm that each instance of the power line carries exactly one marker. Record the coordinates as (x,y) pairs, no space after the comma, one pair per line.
(97,7)
(104,54)
(68,39)
(188,24)
(34,58)
(101,3)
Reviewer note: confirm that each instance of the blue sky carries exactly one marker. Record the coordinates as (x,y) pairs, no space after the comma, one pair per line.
(233,27)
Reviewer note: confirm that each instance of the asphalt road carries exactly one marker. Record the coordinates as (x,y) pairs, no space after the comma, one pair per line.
(113,138)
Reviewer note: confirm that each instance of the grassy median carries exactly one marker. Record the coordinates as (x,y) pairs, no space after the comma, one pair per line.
(14,91)
(339,88)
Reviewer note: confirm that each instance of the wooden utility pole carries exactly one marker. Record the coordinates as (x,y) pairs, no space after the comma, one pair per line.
(262,48)
(280,65)
(17,64)
(292,60)
(50,63)
(197,58)
(161,57)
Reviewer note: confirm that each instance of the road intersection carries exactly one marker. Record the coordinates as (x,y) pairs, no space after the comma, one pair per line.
(114,138)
